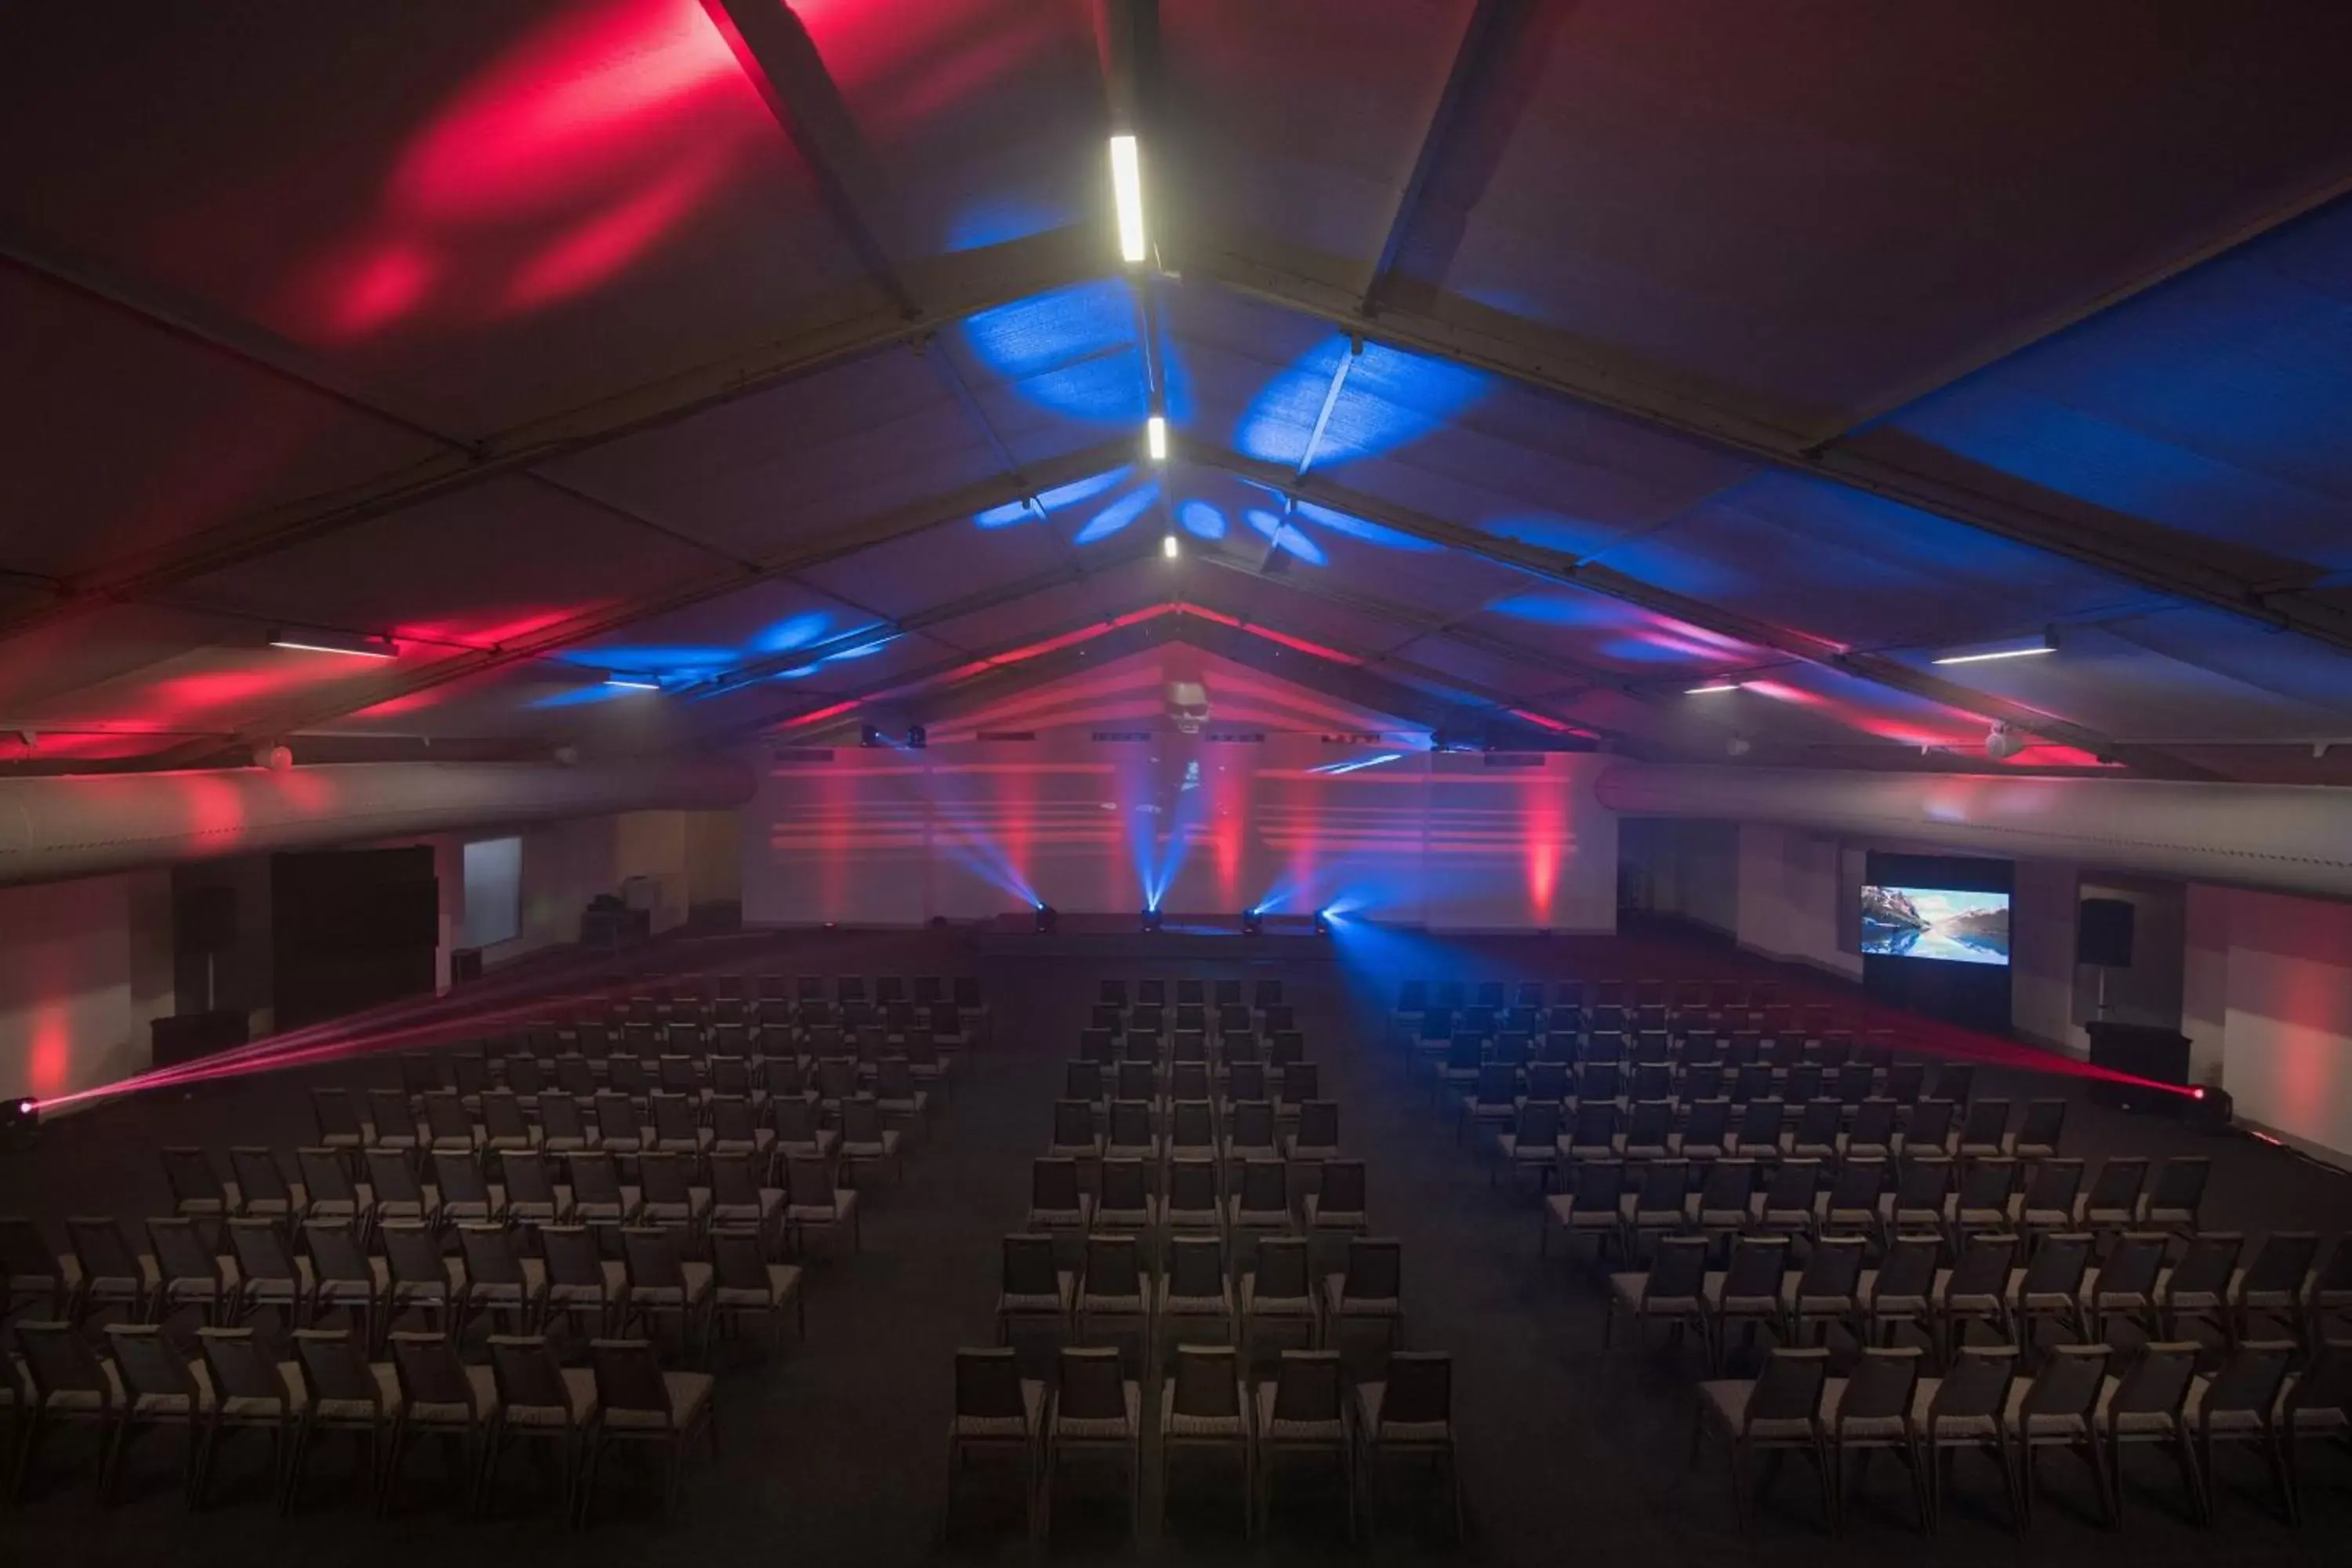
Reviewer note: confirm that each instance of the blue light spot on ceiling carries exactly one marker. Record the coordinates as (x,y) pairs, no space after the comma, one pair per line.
(1071,351)
(1005,516)
(1370,532)
(1201,521)
(1118,514)
(583,696)
(1002,221)
(673,661)
(1391,397)
(1286,537)
(797,631)
(1077,490)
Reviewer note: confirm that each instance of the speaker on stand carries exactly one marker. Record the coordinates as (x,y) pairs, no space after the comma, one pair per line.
(2103,937)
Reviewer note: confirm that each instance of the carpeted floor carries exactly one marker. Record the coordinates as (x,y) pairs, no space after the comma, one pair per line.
(834,1452)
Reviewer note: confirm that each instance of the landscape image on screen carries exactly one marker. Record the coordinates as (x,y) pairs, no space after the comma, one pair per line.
(1936,922)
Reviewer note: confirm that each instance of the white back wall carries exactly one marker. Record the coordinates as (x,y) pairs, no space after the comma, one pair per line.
(970,829)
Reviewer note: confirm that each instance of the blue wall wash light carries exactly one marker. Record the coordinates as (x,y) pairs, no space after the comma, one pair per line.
(1391,397)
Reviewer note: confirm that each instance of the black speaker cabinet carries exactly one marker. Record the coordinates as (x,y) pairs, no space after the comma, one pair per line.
(2103,933)
(205,919)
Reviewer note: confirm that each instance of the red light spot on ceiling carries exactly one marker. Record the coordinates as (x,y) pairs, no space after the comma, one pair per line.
(49,1062)
(606,243)
(378,287)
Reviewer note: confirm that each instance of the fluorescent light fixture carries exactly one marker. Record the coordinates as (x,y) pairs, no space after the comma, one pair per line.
(1155,438)
(1708,690)
(1126,191)
(1358,764)
(311,641)
(2020,647)
(1170,548)
(634,683)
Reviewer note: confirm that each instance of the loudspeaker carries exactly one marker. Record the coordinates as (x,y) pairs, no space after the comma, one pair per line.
(205,919)
(465,964)
(2103,933)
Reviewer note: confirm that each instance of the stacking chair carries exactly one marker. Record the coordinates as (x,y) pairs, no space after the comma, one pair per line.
(1785,1207)
(2277,1284)
(1132,1135)
(466,1195)
(1096,1413)
(33,1279)
(447,1125)
(2172,1200)
(1124,1203)
(423,1279)
(1408,1413)
(581,1281)
(868,1139)
(1659,1206)
(1984,1129)
(2318,1404)
(158,1387)
(342,1392)
(1967,1411)
(1671,1290)
(244,1387)
(799,1130)
(1115,1292)
(1988,1182)
(598,1195)
(2047,1203)
(638,1402)
(1370,1289)
(1076,1135)
(1929,1128)
(1589,1207)
(2330,1294)
(391,1123)
(1531,1142)
(2113,1201)
(1037,1290)
(1779,1412)
(66,1382)
(1726,1201)
(1745,1292)
(505,1129)
(736,1132)
(2197,1288)
(1827,1290)
(188,1272)
(500,1280)
(336,1118)
(262,1190)
(1901,1290)
(540,1400)
(996,1410)
(2036,1137)
(750,1284)
(562,1128)
(678,1126)
(2123,1286)
(1302,1411)
(532,1194)
(399,1195)
(1055,1203)
(1923,1198)
(1192,1201)
(1337,1206)
(269,1274)
(441,1395)
(1207,1407)
(661,1280)
(1279,1295)
(1260,1206)
(739,1196)
(1195,1296)
(2147,1404)
(813,1199)
(2058,1410)
(1850,1207)
(1493,1102)
(2240,1404)
(1871,1409)
(1872,1133)
(345,1276)
(1976,1289)
(667,1196)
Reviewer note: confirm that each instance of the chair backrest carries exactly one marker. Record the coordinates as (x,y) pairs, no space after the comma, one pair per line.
(335,1368)
(1091,1387)
(2249,1380)
(1375,1268)
(1908,1268)
(1931,1124)
(1789,1388)
(1663,1185)
(1985,1123)
(571,1256)
(1419,1389)
(1758,1263)
(1054,1184)
(2281,1264)
(2052,1184)
(191,1176)
(1123,1185)
(444,1116)
(735,1179)
(739,1257)
(1282,1269)
(1343,1188)
(242,1366)
(390,1174)
(1114,1266)
(663,1177)
(149,1364)
(1074,1122)
(2326,1383)
(595,1177)
(628,1375)
(2044,1119)
(181,1252)
(796,1119)
(2118,1184)
(100,1246)
(1192,1184)
(335,1115)
(1653,1120)
(1597,1185)
(388,1109)
(652,1255)
(1818,1122)
(1833,1267)
(528,1181)
(1791,1187)
(1205,1382)
(809,1179)
(1987,1180)
(1265,1185)
(1857,1183)
(2211,1257)
(1984,1264)
(1595,1126)
(336,1255)
(1881,1384)
(1307,1386)
(2130,1269)
(2180,1183)
(1029,1267)
(258,1177)
(490,1253)
(1924,1181)
(1760,1121)
(732,1120)
(1679,1267)
(1196,1266)
(415,1253)
(2068,1383)
(988,1384)
(1975,1387)
(1252,1125)
(2156,1383)
(260,1250)
(1873,1124)
(459,1174)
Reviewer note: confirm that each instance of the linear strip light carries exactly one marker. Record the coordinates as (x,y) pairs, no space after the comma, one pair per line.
(633,682)
(1127,192)
(1983,653)
(311,641)
(1155,438)
(1709,690)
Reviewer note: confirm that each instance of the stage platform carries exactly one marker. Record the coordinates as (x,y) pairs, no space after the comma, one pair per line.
(1181,938)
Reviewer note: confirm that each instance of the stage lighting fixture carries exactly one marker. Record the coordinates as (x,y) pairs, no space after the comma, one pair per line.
(2001,742)
(1127,194)
(1047,919)
(1155,438)
(1169,547)
(1151,918)
(868,735)
(19,1116)
(918,737)
(1253,922)
(2210,1109)
(1322,924)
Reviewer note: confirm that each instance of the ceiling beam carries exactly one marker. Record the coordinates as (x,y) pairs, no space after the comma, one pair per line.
(772,47)
(2241,230)
(957,287)
(902,522)
(1554,566)
(1530,354)
(1474,57)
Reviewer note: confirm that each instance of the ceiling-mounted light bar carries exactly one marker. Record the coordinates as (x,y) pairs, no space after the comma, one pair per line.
(2015,648)
(1155,438)
(633,682)
(1127,192)
(1169,547)
(1711,689)
(308,640)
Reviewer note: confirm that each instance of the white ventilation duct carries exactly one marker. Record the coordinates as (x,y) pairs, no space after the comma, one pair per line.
(88,824)
(2290,837)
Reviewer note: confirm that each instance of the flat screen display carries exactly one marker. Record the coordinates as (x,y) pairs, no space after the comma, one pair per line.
(1949,924)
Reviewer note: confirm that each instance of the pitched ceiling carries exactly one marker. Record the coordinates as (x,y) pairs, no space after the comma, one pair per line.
(1539,363)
